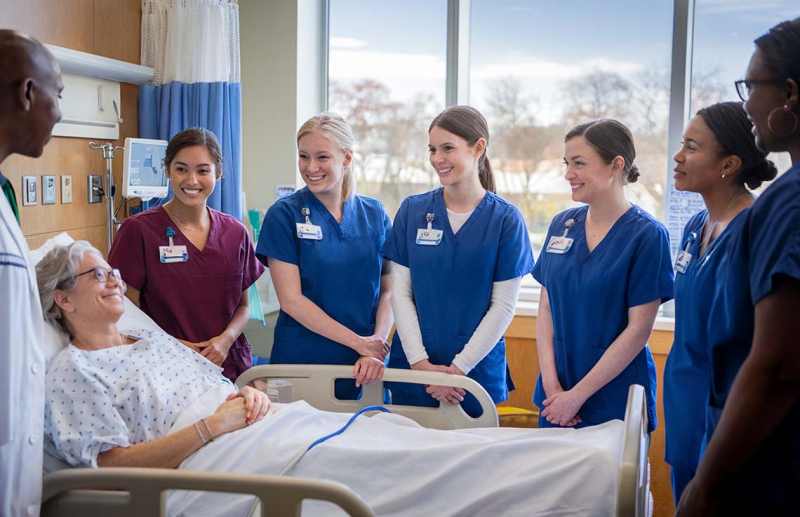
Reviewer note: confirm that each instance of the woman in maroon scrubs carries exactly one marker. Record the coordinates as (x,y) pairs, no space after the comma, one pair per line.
(189,266)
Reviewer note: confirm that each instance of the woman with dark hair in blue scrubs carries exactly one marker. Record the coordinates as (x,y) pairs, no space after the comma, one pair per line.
(604,273)
(323,245)
(720,161)
(751,465)
(459,255)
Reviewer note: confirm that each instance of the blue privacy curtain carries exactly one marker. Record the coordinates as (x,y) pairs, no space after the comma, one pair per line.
(193,45)
(167,109)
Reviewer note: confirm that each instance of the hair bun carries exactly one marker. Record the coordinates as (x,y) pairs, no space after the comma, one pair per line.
(764,171)
(633,174)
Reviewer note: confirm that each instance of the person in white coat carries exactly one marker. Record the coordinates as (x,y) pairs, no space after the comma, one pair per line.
(30,85)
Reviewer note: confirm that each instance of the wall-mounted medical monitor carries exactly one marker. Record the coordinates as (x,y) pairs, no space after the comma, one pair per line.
(143,173)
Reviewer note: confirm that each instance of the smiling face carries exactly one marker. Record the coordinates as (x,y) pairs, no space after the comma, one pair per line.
(321,164)
(700,162)
(452,157)
(589,177)
(192,175)
(91,300)
(765,97)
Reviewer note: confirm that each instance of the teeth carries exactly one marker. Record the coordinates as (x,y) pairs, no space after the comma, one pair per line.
(315,178)
(191,192)
(444,171)
(576,186)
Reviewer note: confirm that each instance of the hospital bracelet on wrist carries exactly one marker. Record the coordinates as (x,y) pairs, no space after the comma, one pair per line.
(197,428)
(208,429)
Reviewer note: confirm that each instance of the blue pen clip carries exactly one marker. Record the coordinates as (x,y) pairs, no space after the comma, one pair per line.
(170,235)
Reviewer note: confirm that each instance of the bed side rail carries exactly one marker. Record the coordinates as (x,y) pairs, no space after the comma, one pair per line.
(633,490)
(145,491)
(314,383)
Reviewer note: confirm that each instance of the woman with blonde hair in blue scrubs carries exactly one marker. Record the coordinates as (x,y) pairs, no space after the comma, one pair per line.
(604,272)
(459,253)
(719,160)
(323,245)
(751,463)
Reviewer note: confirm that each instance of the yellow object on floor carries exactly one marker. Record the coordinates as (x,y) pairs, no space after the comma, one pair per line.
(517,417)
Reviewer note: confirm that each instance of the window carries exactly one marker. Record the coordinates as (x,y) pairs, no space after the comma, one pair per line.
(724,31)
(387,67)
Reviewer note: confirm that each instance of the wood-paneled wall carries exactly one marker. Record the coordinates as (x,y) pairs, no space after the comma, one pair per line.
(110,28)
(524,364)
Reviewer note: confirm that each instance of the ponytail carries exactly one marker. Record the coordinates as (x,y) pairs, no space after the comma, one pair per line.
(486,175)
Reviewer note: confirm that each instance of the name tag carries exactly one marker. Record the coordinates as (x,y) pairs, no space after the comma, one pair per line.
(310,232)
(559,245)
(426,237)
(682,261)
(169,254)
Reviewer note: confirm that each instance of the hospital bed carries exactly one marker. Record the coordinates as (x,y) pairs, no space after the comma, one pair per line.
(128,492)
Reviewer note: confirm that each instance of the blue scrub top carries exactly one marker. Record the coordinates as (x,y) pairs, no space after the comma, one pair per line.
(452,283)
(686,374)
(341,273)
(766,245)
(590,294)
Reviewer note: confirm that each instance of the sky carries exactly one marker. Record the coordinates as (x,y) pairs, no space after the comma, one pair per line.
(543,43)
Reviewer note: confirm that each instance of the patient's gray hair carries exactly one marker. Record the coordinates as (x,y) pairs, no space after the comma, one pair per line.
(59,270)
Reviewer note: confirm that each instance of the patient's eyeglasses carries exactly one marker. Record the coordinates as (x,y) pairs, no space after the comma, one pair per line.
(102,274)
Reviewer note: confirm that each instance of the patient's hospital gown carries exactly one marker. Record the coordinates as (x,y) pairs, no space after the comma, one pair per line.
(124,395)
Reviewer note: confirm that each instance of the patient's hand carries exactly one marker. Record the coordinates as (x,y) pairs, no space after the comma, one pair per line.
(239,410)
(367,369)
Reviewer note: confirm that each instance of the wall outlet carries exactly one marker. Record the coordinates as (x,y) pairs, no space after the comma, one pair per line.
(66,189)
(95,189)
(48,190)
(29,187)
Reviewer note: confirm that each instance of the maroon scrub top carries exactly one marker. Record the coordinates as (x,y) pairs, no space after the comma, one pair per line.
(192,300)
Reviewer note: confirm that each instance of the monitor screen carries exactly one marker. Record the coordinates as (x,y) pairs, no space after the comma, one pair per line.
(143,173)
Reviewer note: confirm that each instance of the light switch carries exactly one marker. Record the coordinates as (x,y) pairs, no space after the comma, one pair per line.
(95,189)
(29,187)
(48,190)
(66,189)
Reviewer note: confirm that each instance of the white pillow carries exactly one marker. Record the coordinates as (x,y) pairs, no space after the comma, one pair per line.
(132,319)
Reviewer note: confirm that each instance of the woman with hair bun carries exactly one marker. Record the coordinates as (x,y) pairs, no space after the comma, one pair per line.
(751,461)
(459,254)
(323,245)
(604,273)
(720,161)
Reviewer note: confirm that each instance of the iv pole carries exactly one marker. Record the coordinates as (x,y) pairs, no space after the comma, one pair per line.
(110,189)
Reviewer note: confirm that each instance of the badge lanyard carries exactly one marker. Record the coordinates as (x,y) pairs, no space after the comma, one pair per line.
(560,245)
(308,231)
(428,236)
(172,253)
(684,257)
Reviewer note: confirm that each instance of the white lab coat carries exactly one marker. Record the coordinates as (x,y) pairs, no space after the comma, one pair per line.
(21,374)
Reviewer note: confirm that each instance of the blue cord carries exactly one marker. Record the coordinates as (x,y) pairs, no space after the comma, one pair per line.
(336,433)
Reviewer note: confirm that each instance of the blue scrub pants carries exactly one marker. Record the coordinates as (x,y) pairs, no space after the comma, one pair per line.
(680,478)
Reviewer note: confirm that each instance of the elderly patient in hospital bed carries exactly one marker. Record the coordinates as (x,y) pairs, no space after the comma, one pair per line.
(143,399)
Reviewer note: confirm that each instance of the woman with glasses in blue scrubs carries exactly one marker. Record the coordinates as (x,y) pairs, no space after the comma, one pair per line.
(323,245)
(459,253)
(604,272)
(751,464)
(719,160)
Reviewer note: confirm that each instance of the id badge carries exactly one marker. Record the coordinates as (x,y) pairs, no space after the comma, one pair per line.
(310,232)
(682,261)
(429,237)
(559,245)
(170,254)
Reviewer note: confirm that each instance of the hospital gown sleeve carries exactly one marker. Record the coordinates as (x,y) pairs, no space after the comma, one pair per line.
(405,315)
(278,237)
(396,246)
(651,275)
(515,254)
(80,417)
(492,326)
(774,246)
(127,254)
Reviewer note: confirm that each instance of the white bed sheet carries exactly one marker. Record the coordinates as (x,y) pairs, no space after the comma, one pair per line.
(402,469)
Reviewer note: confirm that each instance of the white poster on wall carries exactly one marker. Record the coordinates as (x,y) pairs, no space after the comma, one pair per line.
(681,206)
